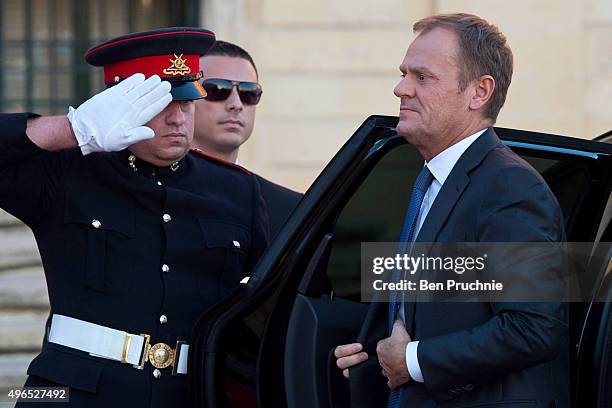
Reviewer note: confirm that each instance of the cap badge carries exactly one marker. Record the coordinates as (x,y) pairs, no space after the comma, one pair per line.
(178,66)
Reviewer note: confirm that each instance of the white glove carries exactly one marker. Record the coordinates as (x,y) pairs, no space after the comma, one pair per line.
(112,120)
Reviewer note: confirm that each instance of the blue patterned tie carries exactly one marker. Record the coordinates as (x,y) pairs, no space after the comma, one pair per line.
(419,189)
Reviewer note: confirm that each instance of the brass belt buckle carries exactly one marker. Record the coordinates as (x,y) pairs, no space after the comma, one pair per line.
(161,355)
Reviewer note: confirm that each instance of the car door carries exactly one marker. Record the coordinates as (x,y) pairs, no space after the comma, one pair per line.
(270,344)
(594,341)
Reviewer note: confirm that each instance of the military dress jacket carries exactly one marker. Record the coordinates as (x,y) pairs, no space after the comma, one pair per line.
(280,202)
(130,246)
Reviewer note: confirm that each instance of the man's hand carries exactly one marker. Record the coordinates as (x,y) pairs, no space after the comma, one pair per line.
(392,355)
(349,355)
(112,120)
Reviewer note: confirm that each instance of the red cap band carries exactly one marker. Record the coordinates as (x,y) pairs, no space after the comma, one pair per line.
(166,66)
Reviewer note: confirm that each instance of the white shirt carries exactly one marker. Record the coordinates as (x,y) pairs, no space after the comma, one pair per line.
(440,166)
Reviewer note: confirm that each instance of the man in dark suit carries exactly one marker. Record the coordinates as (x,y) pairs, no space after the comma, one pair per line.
(226,116)
(472,188)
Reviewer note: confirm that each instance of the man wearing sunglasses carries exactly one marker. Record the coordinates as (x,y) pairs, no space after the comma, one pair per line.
(226,115)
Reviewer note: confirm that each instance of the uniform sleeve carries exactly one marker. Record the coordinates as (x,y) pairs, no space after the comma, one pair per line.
(518,208)
(29,175)
(260,228)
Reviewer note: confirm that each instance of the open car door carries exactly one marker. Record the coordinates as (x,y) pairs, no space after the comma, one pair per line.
(270,344)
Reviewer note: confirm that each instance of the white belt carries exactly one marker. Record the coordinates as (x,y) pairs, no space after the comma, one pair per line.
(101,341)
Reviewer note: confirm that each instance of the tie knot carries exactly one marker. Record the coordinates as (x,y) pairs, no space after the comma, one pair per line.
(424,179)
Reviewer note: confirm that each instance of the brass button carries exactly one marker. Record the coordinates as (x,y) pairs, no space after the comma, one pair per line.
(236,244)
(163,319)
(156,373)
(166,217)
(159,183)
(165,268)
(96,223)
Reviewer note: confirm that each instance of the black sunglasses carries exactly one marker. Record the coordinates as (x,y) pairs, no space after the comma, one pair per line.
(218,89)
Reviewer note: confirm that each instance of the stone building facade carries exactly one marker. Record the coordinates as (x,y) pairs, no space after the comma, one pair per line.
(325,66)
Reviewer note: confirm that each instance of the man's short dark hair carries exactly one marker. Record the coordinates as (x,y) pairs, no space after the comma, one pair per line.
(227,49)
(482,51)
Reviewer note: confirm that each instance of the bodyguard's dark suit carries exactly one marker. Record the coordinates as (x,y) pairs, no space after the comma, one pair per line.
(280,202)
(104,233)
(482,354)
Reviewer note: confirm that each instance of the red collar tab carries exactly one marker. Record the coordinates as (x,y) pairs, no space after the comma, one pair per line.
(199,152)
(166,66)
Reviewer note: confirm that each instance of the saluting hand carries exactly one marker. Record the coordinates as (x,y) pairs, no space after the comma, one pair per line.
(113,119)
(392,355)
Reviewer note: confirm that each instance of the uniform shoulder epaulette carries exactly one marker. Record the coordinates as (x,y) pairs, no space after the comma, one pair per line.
(199,152)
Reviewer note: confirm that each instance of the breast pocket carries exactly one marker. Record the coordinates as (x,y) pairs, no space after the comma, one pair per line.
(98,246)
(225,248)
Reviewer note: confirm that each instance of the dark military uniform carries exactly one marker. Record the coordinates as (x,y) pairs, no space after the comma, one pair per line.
(280,202)
(129,246)
(130,251)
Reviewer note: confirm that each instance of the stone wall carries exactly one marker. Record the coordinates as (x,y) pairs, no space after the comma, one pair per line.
(328,64)
(24,305)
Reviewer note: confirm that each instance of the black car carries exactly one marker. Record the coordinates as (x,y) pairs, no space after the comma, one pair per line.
(270,344)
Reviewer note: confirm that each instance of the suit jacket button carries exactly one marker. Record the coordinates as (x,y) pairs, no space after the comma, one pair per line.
(96,223)
(236,244)
(166,217)
(156,373)
(163,319)
(165,268)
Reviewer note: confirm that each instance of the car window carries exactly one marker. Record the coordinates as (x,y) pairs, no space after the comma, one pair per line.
(373,214)
(566,178)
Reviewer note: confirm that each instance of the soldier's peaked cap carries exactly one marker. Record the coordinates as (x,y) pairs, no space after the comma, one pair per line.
(172,53)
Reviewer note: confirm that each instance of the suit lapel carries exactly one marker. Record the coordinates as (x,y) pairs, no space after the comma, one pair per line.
(455,184)
(445,201)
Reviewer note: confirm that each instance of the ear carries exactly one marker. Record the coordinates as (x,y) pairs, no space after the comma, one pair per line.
(483,90)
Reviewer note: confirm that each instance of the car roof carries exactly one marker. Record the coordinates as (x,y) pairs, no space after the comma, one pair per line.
(604,137)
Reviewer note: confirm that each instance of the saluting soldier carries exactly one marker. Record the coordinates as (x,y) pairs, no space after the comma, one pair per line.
(137,235)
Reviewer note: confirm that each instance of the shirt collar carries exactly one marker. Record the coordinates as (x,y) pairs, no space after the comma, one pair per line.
(442,164)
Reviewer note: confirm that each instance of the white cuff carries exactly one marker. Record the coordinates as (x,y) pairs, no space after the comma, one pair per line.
(412,362)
